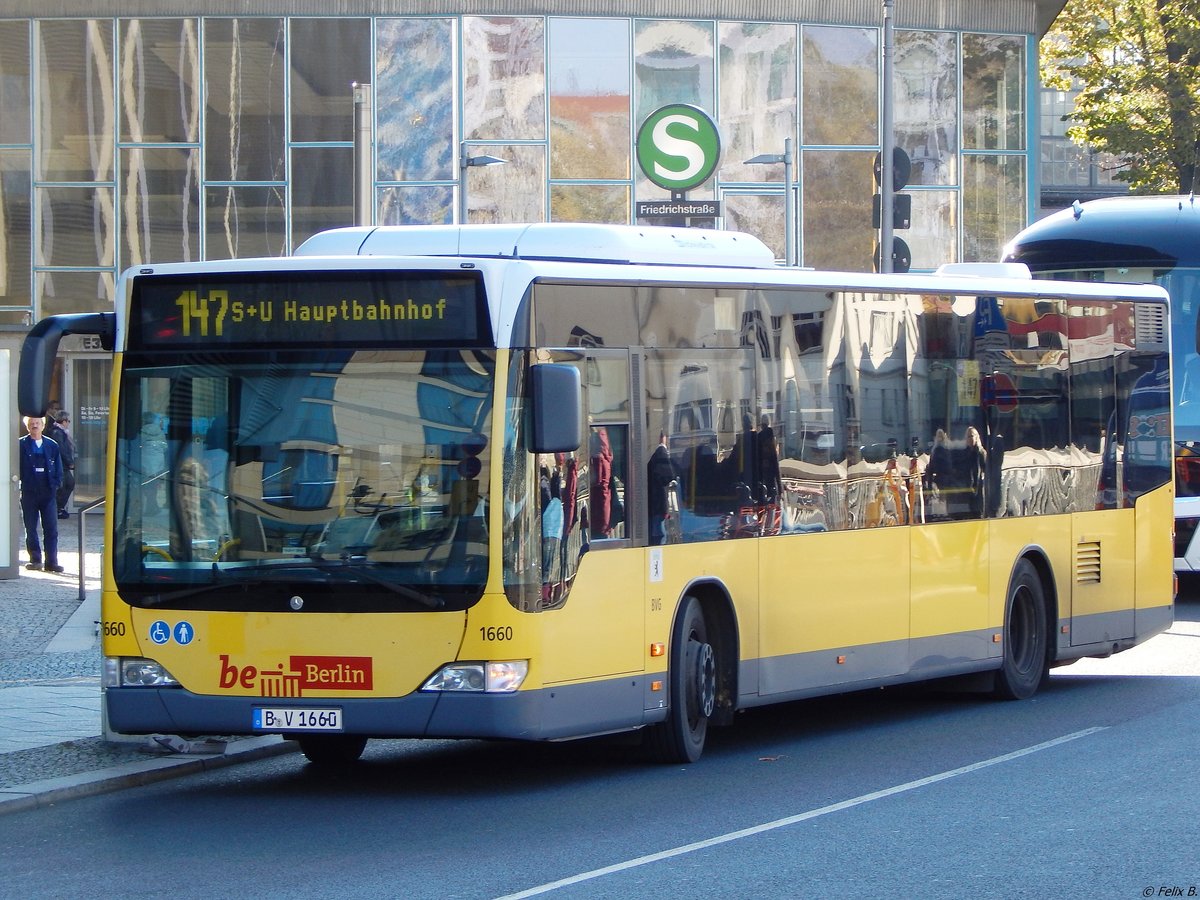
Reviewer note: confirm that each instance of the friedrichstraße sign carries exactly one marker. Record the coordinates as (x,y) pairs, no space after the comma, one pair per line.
(699,209)
(678,147)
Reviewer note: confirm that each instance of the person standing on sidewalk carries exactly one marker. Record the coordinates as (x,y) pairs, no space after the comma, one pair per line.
(58,430)
(41,476)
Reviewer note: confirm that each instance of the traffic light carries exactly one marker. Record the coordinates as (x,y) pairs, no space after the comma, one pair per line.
(901,256)
(901,203)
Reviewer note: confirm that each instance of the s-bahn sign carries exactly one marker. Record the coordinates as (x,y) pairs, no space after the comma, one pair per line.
(678,147)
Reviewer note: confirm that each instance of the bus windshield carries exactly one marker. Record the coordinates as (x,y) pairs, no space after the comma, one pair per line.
(316,480)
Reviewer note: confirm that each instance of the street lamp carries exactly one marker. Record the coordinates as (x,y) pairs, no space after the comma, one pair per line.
(789,208)
(465,162)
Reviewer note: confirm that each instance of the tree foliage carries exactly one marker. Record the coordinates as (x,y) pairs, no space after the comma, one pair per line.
(1138,65)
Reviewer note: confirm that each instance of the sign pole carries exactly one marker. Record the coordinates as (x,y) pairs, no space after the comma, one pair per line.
(887,146)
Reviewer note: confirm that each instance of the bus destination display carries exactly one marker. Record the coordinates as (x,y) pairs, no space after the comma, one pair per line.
(309,308)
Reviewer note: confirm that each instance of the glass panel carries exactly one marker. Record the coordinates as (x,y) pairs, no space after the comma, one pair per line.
(761,215)
(504,81)
(927,104)
(589,99)
(758,96)
(513,192)
(416,205)
(158,77)
(72,292)
(322,190)
(414,99)
(993,204)
(344,470)
(244,221)
(92,383)
(160,205)
(328,56)
(673,63)
(16,228)
(77,115)
(841,85)
(14,83)
(77,226)
(933,238)
(589,203)
(993,92)
(837,220)
(244,82)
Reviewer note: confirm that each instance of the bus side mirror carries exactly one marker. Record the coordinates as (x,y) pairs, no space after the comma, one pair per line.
(41,347)
(557,401)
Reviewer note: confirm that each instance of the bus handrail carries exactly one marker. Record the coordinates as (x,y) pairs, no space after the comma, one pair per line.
(79,512)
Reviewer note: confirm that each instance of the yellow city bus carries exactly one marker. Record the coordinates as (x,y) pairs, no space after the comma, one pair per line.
(550,481)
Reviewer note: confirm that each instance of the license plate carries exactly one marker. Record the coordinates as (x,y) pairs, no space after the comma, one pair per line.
(296,718)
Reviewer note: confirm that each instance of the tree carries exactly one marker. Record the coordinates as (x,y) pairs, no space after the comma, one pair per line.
(1138,65)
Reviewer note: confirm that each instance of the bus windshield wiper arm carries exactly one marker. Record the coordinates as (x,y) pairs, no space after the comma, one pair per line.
(344,567)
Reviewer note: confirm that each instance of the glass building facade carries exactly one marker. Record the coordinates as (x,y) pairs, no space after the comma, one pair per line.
(130,139)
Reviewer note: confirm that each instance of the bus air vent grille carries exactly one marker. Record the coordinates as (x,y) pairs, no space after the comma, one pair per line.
(1150,323)
(1087,562)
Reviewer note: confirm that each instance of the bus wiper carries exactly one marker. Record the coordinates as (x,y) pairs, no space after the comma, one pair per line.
(196,590)
(343,568)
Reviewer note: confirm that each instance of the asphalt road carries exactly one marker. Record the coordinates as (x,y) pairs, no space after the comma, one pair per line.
(1089,790)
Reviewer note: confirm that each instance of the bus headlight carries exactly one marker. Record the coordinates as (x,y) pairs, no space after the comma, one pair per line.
(503,677)
(132,671)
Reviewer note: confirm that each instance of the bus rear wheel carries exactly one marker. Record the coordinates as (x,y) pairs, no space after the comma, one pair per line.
(693,690)
(332,750)
(1026,637)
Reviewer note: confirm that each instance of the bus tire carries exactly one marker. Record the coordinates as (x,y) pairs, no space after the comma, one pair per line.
(332,750)
(693,689)
(1026,636)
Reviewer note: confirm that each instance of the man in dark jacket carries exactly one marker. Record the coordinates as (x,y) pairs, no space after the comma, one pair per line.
(41,477)
(660,472)
(58,431)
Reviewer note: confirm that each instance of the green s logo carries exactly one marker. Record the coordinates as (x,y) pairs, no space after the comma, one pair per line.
(678,147)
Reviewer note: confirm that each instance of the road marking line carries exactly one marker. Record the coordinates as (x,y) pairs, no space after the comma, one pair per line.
(801,817)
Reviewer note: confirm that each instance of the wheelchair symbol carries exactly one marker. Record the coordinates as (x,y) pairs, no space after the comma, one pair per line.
(160,632)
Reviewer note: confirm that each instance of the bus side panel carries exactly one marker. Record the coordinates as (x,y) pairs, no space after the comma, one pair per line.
(599,631)
(834,608)
(950,613)
(1155,578)
(1102,576)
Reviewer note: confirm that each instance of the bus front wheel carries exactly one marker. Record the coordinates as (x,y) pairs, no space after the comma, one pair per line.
(332,750)
(1026,636)
(693,690)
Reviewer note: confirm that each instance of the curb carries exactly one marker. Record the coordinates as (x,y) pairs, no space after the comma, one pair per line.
(88,784)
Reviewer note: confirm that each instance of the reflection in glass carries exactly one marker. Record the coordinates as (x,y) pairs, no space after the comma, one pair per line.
(927,104)
(673,63)
(605,203)
(14,82)
(993,204)
(76,225)
(513,192)
(589,99)
(836,227)
(758,96)
(993,92)
(160,205)
(414,99)
(504,86)
(758,214)
(158,78)
(416,205)
(73,292)
(322,190)
(933,238)
(348,471)
(328,56)
(15,228)
(841,85)
(244,82)
(77,110)
(244,221)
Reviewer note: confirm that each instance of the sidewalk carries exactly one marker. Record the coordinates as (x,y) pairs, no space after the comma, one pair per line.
(51,743)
